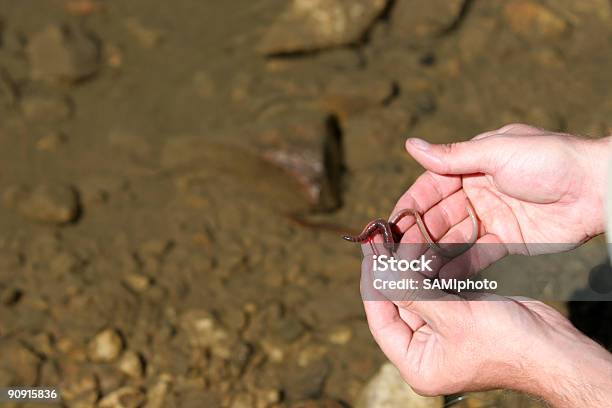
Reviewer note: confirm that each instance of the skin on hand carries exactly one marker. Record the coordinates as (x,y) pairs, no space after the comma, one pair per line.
(460,345)
(528,187)
(534,192)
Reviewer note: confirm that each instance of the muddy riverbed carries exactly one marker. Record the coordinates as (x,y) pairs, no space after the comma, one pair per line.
(175,178)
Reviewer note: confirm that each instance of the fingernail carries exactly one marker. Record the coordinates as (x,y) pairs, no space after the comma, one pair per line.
(419,144)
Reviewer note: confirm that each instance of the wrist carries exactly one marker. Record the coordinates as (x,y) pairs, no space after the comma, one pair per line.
(595,157)
(573,372)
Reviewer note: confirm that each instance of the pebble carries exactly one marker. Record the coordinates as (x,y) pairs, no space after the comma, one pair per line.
(131,364)
(340,335)
(146,36)
(137,281)
(156,395)
(415,21)
(105,347)
(125,397)
(47,203)
(204,331)
(302,383)
(59,53)
(387,389)
(18,365)
(45,107)
(51,141)
(308,25)
(530,20)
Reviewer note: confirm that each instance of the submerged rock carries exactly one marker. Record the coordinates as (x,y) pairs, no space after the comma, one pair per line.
(533,20)
(387,389)
(302,383)
(125,397)
(307,145)
(105,346)
(61,54)
(309,25)
(414,21)
(47,203)
(45,107)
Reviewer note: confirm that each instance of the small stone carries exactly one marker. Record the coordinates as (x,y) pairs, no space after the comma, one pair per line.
(125,397)
(415,21)
(203,330)
(305,382)
(308,25)
(147,37)
(387,389)
(243,400)
(105,347)
(267,397)
(131,364)
(19,365)
(137,282)
(45,107)
(50,141)
(288,329)
(46,203)
(107,378)
(340,335)
(156,395)
(533,20)
(61,54)
(311,354)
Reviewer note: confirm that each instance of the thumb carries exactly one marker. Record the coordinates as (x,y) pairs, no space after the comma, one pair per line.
(473,156)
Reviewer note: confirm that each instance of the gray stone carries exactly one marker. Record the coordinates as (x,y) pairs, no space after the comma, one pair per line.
(58,53)
(302,383)
(308,25)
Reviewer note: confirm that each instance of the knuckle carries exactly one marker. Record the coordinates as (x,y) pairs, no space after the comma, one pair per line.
(516,127)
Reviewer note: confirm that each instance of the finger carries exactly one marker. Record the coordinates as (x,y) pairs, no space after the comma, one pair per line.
(413,320)
(440,218)
(439,221)
(428,190)
(391,333)
(473,156)
(485,251)
(439,313)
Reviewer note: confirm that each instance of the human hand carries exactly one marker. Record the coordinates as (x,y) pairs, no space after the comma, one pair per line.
(452,345)
(534,192)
